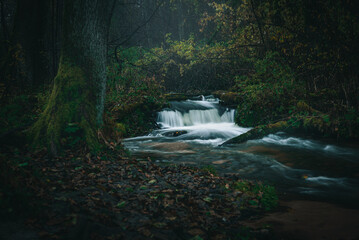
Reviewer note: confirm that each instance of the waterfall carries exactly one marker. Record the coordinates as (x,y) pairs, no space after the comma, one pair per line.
(170,118)
(188,115)
(203,121)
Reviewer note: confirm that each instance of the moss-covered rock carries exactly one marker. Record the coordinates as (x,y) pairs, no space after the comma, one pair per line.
(177,96)
(259,132)
(312,123)
(227,98)
(138,118)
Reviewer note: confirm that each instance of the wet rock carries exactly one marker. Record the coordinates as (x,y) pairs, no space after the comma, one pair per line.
(176,96)
(174,133)
(220,162)
(173,147)
(228,98)
(259,132)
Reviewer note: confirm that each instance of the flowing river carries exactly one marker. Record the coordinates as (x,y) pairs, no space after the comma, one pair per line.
(192,131)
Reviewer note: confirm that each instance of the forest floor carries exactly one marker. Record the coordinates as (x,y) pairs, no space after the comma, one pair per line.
(79,196)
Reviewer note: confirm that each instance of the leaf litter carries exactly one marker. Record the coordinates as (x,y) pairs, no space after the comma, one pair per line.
(114,197)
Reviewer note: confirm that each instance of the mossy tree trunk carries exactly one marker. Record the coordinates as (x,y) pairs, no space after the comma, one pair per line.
(77,97)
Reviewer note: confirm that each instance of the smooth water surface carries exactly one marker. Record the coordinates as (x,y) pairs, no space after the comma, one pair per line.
(191,132)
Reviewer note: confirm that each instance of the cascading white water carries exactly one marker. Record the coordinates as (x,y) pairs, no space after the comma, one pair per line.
(169,118)
(203,121)
(228,116)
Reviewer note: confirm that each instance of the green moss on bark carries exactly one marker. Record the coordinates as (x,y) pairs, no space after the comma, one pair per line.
(71,102)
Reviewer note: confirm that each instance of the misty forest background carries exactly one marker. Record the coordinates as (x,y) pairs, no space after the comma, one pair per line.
(78,76)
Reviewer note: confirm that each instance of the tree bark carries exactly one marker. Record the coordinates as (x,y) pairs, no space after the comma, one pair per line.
(77,97)
(5,31)
(259,24)
(31,26)
(181,21)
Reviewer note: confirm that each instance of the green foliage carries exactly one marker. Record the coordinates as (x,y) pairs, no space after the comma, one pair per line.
(267,196)
(121,204)
(267,93)
(210,170)
(18,112)
(257,194)
(196,238)
(189,65)
(132,97)
(290,51)
(73,133)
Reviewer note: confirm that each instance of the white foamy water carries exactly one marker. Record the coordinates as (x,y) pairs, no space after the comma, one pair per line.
(206,133)
(305,144)
(326,180)
(203,122)
(170,118)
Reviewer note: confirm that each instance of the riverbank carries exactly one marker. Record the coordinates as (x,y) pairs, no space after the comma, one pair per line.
(109,196)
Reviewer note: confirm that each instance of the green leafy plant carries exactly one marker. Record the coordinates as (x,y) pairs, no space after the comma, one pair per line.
(210,169)
(133,96)
(257,194)
(268,93)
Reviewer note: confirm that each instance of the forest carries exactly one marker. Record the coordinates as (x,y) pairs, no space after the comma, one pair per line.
(179,119)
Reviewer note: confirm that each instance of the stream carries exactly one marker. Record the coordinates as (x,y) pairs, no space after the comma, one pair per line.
(192,131)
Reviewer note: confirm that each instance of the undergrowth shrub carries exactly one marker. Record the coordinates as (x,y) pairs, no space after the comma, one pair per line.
(257,195)
(267,93)
(133,97)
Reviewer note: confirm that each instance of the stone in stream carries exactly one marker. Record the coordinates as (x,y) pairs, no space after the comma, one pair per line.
(259,132)
(174,133)
(178,147)
(220,162)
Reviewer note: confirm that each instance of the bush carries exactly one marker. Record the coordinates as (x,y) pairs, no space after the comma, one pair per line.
(132,98)
(190,66)
(17,112)
(267,93)
(257,195)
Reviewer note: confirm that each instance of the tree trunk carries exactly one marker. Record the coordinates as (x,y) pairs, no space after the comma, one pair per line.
(31,26)
(181,21)
(4,28)
(259,24)
(77,98)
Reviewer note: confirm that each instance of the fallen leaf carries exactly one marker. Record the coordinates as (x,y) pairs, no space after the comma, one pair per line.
(121,204)
(152,181)
(196,232)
